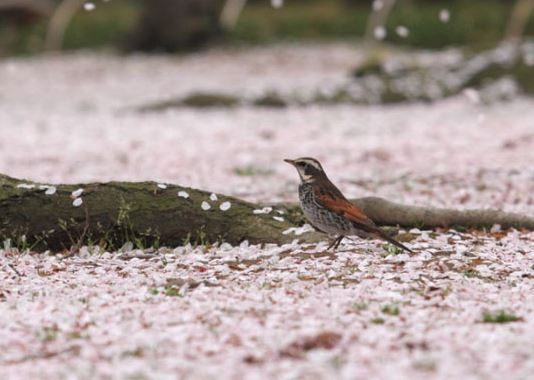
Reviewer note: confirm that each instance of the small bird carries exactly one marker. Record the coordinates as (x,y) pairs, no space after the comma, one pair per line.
(327,209)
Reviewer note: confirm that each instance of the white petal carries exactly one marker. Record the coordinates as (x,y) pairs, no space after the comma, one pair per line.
(205,206)
(25,186)
(51,190)
(277,3)
(402,31)
(162,186)
(380,32)
(225,206)
(444,15)
(77,202)
(183,194)
(77,193)
(495,228)
(264,210)
(378,5)
(213,197)
(472,95)
(278,218)
(298,230)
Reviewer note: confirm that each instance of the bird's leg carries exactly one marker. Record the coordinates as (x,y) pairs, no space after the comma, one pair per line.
(331,244)
(338,241)
(335,243)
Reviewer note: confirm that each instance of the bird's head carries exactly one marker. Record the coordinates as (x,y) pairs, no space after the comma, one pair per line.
(309,169)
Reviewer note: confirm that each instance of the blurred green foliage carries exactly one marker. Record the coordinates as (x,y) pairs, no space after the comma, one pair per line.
(477,23)
(261,23)
(107,25)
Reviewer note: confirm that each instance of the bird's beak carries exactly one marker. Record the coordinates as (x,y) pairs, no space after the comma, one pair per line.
(292,162)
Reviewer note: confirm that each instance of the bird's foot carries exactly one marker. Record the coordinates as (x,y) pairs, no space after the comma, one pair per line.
(334,243)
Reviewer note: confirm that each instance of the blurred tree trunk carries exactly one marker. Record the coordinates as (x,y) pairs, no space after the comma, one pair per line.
(17,14)
(24,11)
(175,25)
(112,214)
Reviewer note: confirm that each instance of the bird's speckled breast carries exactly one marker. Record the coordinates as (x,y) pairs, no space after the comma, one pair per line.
(320,217)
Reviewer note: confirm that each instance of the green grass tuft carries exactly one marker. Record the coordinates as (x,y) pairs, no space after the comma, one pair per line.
(392,249)
(206,99)
(471,273)
(500,316)
(359,306)
(270,100)
(391,310)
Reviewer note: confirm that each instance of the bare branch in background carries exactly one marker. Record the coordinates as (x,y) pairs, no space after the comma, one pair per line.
(378,17)
(59,23)
(230,13)
(518,19)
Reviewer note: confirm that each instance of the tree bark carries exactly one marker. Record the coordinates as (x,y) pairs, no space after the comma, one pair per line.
(147,214)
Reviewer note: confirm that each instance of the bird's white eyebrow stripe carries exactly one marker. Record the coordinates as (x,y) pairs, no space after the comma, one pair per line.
(313,163)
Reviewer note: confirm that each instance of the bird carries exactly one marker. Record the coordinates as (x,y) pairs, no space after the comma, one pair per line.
(327,209)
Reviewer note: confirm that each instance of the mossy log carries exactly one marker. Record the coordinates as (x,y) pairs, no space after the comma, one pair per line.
(147,214)
(114,213)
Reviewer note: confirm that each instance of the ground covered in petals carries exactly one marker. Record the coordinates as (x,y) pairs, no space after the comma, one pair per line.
(461,307)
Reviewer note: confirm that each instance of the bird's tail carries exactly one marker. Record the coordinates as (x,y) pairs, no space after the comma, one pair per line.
(382,235)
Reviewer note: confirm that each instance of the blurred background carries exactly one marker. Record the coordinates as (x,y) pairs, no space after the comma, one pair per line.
(33,26)
(395,96)
(491,34)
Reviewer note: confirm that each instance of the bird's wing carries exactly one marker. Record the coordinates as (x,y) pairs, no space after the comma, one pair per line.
(337,203)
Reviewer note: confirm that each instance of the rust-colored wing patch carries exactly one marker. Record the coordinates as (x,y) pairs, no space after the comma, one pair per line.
(334,200)
(340,205)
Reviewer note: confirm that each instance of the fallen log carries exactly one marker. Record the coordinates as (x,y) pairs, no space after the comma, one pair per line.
(111,214)
(40,217)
